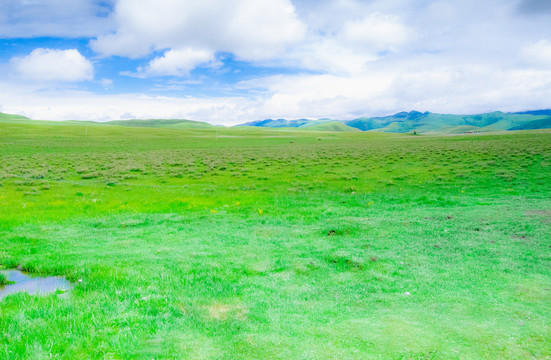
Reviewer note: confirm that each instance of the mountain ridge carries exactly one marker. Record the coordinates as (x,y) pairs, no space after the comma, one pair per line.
(428,122)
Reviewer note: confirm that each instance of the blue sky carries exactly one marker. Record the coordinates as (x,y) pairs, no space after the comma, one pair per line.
(228,62)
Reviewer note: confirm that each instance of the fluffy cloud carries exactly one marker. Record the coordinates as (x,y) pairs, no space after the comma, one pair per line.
(330,56)
(250,29)
(177,63)
(352,45)
(53,65)
(538,54)
(377,32)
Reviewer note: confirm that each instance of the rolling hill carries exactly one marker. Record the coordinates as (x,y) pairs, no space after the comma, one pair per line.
(334,126)
(4,116)
(162,123)
(429,123)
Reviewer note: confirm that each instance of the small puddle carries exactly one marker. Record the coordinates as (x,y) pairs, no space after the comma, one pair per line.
(24,282)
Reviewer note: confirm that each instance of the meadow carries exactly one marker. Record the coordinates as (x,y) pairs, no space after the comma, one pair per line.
(253,243)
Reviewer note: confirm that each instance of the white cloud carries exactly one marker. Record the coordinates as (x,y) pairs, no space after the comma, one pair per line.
(377,32)
(177,63)
(250,29)
(352,46)
(106,83)
(425,85)
(330,56)
(538,54)
(53,65)
(79,105)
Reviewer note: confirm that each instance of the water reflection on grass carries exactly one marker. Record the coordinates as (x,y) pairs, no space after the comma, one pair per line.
(34,285)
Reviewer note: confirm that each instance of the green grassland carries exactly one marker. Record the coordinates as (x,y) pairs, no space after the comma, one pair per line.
(275,243)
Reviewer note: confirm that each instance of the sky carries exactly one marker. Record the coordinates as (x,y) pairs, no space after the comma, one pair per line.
(230,62)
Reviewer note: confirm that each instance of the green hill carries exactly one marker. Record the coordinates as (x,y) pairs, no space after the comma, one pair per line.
(335,126)
(543,123)
(396,127)
(452,124)
(162,123)
(4,116)
(425,122)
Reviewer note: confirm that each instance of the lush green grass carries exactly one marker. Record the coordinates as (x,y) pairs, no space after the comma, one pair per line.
(3,280)
(264,243)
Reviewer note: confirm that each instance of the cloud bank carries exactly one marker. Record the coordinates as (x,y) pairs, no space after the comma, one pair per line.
(252,30)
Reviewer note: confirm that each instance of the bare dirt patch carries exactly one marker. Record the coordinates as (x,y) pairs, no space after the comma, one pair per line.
(545,214)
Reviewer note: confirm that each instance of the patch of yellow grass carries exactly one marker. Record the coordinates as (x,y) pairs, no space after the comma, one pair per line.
(222,312)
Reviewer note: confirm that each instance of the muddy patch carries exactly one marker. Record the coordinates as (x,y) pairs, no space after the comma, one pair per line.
(545,215)
(23,282)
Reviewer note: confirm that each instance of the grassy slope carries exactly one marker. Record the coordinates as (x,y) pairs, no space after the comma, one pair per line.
(164,123)
(164,227)
(399,127)
(4,116)
(541,123)
(334,126)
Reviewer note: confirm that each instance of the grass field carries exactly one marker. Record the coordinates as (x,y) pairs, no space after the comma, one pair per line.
(276,244)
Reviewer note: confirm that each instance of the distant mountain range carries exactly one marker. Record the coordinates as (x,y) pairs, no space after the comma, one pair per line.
(423,122)
(402,122)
